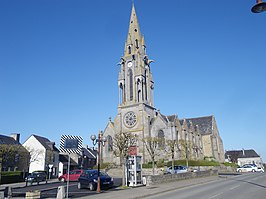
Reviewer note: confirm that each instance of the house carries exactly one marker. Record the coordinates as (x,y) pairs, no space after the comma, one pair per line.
(13,156)
(84,160)
(243,156)
(43,154)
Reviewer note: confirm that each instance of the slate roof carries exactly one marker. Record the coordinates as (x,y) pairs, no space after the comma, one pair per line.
(250,153)
(8,140)
(46,143)
(204,124)
(181,121)
(164,117)
(171,118)
(90,153)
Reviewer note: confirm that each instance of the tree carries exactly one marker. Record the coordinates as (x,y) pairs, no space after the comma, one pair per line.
(34,154)
(14,156)
(234,156)
(172,144)
(185,147)
(152,145)
(121,144)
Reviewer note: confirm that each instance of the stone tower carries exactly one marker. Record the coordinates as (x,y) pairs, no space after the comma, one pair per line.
(135,85)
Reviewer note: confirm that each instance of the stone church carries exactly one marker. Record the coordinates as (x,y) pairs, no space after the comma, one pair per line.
(195,138)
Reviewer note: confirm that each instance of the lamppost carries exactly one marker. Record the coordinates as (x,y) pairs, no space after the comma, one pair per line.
(100,140)
(259,7)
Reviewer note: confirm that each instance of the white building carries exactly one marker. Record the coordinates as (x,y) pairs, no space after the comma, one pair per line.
(43,154)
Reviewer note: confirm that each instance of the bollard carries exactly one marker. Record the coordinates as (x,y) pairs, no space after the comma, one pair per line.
(61,194)
(2,195)
(33,194)
(8,192)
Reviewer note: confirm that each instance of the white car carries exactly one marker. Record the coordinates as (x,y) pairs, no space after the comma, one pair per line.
(247,168)
(260,170)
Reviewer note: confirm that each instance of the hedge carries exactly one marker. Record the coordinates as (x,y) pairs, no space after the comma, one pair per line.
(11,177)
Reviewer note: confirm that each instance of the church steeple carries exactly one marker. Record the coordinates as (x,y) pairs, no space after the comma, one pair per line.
(134,37)
(135,78)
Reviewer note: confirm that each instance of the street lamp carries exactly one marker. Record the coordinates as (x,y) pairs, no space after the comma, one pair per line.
(259,7)
(100,140)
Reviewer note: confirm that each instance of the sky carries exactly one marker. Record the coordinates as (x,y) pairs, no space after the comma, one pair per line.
(58,65)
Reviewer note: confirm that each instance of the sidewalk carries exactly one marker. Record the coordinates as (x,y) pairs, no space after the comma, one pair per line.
(143,191)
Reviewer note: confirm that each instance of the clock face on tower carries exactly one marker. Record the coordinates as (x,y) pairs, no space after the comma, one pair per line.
(129,64)
(130,119)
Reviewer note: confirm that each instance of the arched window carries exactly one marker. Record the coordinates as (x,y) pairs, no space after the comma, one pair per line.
(110,143)
(121,93)
(130,74)
(129,49)
(161,138)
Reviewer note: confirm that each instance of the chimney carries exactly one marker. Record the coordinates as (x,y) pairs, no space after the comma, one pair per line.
(243,151)
(51,144)
(15,136)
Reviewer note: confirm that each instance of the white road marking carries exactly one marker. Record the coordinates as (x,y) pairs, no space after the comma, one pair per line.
(234,187)
(215,195)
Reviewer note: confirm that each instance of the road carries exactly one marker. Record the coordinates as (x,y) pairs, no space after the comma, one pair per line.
(50,190)
(246,186)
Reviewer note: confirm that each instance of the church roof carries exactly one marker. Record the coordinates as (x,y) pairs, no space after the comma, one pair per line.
(8,140)
(250,153)
(181,121)
(171,118)
(205,124)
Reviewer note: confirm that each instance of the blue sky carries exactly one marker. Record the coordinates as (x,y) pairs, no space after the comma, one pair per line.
(58,72)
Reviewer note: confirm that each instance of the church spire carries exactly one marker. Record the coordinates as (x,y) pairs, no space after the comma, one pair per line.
(134,37)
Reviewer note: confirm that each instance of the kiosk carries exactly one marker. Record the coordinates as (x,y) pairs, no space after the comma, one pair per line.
(133,170)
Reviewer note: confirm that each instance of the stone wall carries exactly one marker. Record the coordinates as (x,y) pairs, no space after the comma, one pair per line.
(158,179)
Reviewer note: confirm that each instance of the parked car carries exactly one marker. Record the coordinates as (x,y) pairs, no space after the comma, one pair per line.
(73,175)
(247,168)
(36,176)
(260,169)
(89,179)
(177,169)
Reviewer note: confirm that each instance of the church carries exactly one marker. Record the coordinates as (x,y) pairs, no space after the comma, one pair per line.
(195,138)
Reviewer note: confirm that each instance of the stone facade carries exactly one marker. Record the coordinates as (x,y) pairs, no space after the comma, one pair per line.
(194,138)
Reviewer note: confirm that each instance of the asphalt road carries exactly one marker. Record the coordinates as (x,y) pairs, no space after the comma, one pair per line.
(247,186)
(50,190)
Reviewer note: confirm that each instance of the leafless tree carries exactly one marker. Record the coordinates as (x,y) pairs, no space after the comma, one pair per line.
(185,148)
(152,145)
(172,144)
(121,144)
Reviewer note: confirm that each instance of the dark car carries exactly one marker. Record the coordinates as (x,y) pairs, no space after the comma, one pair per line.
(36,176)
(73,175)
(89,179)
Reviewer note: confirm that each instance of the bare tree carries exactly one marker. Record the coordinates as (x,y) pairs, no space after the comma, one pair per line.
(152,145)
(121,144)
(234,156)
(172,144)
(34,154)
(185,148)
